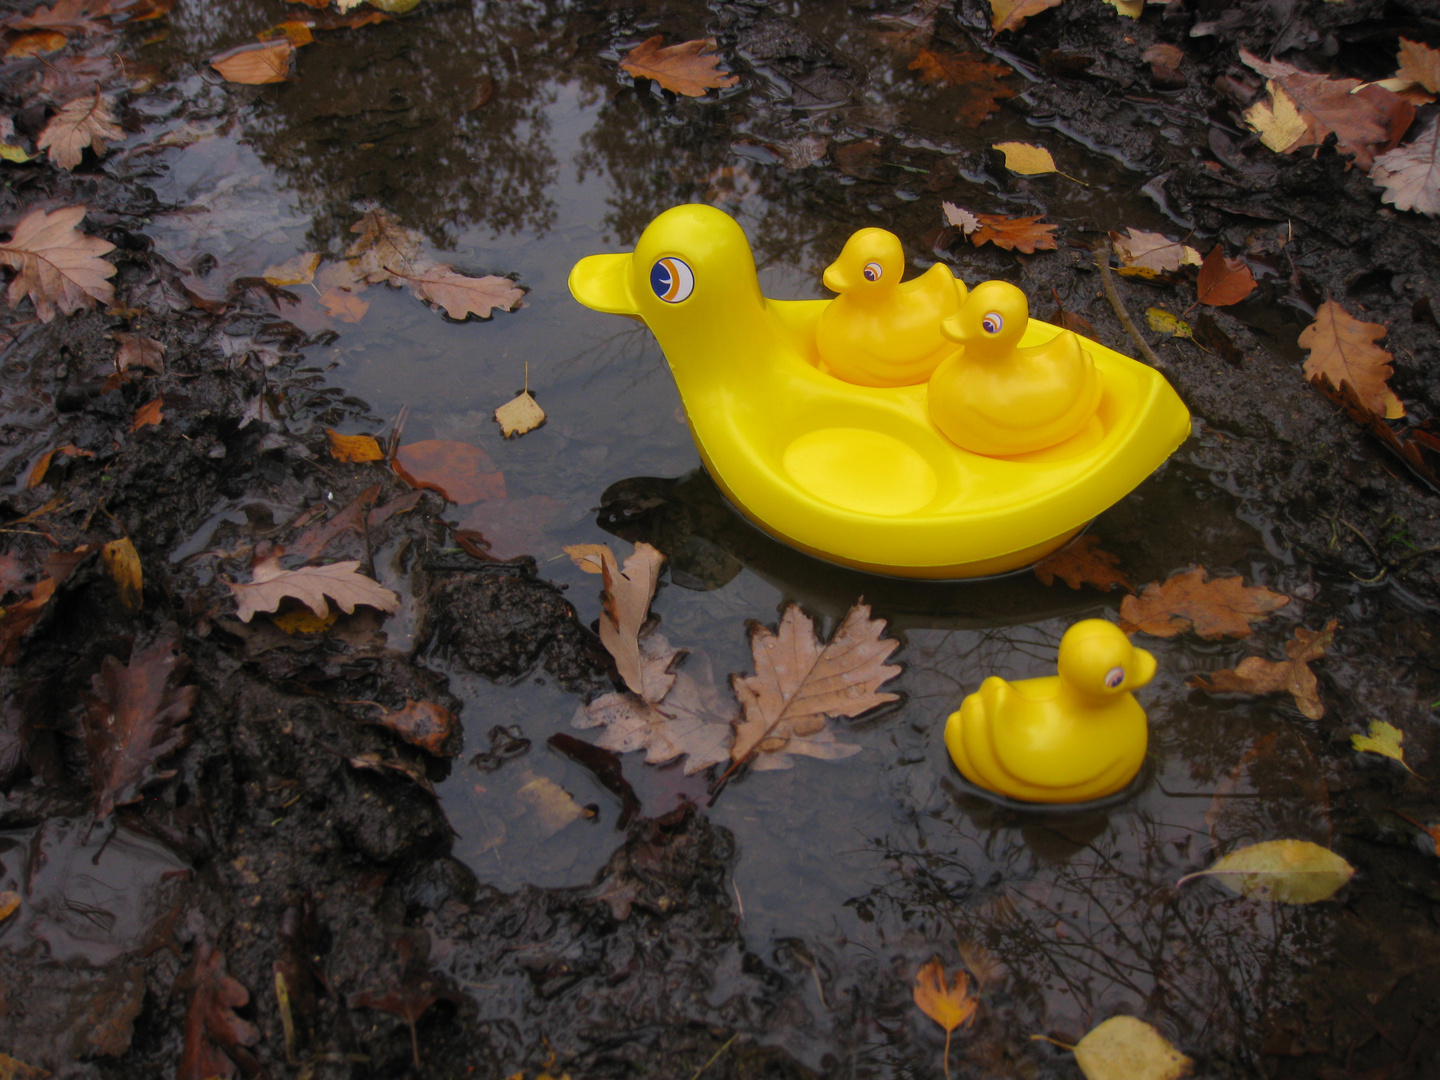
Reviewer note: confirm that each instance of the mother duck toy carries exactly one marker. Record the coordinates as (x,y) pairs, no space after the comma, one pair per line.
(861,475)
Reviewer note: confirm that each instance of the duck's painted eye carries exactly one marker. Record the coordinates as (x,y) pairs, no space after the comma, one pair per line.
(672,280)
(993,322)
(873,271)
(1114,677)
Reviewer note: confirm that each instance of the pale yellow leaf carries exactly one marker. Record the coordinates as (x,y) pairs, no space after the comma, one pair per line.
(1287,871)
(590,557)
(1026,158)
(1383,739)
(1131,9)
(520,415)
(1278,121)
(550,805)
(123,563)
(1124,1048)
(297,271)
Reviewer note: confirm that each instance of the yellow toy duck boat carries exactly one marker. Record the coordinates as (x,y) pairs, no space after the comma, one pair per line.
(881,331)
(1069,737)
(854,474)
(999,399)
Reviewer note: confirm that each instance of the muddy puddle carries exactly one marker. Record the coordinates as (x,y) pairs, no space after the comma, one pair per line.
(505,133)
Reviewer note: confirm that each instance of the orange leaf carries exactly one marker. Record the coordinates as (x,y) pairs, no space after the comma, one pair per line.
(37,474)
(1256,675)
(1011,14)
(421,723)
(1222,280)
(1224,607)
(947,1006)
(149,413)
(295,32)
(255,63)
(972,74)
(689,68)
(1083,562)
(1014,234)
(37,44)
(461,473)
(1343,350)
(356,448)
(1419,63)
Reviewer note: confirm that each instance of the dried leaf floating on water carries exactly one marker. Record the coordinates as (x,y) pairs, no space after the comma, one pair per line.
(255,63)
(1126,1048)
(1343,350)
(58,266)
(1256,675)
(354,448)
(1286,871)
(1223,607)
(948,1006)
(626,606)
(690,68)
(86,121)
(1383,739)
(520,416)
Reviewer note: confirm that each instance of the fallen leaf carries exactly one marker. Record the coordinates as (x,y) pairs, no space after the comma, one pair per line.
(589,557)
(461,473)
(1419,63)
(310,585)
(1125,1048)
(1131,9)
(1165,60)
(216,1037)
(293,31)
(386,250)
(1011,14)
(1287,871)
(1343,350)
(1223,281)
(304,621)
(17,618)
(1014,234)
(1224,607)
(972,73)
(58,265)
(297,271)
(1167,322)
(962,219)
(136,350)
(625,606)
(255,63)
(415,991)
(1383,739)
(317,537)
(354,448)
(798,683)
(148,414)
(421,723)
(1432,831)
(86,121)
(1026,158)
(911,30)
(948,1006)
(75,15)
(38,43)
(520,415)
(9,904)
(42,467)
(133,718)
(123,562)
(690,68)
(1256,675)
(1083,562)
(1418,451)
(550,806)
(1410,174)
(463,296)
(344,305)
(1152,251)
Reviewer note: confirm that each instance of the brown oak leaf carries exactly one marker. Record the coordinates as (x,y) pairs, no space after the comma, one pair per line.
(1011,14)
(1343,351)
(1419,63)
(1025,234)
(1256,675)
(971,73)
(133,718)
(386,250)
(1153,251)
(216,1037)
(798,682)
(414,992)
(1224,607)
(147,414)
(339,581)
(75,16)
(690,68)
(58,265)
(1223,280)
(1410,174)
(463,296)
(86,121)
(136,350)
(460,472)
(625,607)
(1083,562)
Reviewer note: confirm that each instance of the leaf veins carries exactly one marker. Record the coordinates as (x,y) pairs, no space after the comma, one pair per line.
(690,68)
(1256,675)
(1224,607)
(58,266)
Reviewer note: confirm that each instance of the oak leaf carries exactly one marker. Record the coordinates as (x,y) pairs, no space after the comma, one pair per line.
(1410,174)
(948,1006)
(1224,607)
(216,1037)
(1256,675)
(462,296)
(133,718)
(255,63)
(460,472)
(136,350)
(385,250)
(344,305)
(1083,562)
(1343,351)
(690,68)
(1011,14)
(1025,234)
(147,414)
(1223,280)
(271,585)
(86,121)
(413,993)
(58,266)
(625,606)
(798,682)
(1153,251)
(971,72)
(961,218)
(1419,63)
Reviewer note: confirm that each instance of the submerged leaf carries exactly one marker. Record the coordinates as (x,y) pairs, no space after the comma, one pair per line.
(1383,739)
(1083,562)
(1224,607)
(1287,871)
(690,68)
(1256,675)
(975,76)
(1025,234)
(1153,251)
(460,472)
(948,1006)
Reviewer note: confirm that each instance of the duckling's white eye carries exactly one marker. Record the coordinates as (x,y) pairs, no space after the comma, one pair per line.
(872,271)
(672,280)
(1114,677)
(993,322)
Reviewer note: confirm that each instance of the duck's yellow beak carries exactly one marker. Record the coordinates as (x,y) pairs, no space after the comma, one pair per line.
(602,282)
(1142,668)
(835,279)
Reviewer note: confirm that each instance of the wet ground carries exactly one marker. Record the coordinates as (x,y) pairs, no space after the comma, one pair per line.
(776,931)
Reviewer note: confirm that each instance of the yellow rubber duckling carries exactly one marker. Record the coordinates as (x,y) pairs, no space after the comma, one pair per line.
(881,331)
(1069,737)
(997,398)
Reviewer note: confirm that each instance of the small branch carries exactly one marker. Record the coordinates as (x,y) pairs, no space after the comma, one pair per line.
(714,1056)
(1102,260)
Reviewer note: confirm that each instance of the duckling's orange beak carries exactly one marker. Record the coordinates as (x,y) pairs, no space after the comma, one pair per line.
(602,282)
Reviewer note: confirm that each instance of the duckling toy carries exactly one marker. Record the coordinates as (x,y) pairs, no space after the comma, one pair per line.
(1076,735)
(881,331)
(998,398)
(859,475)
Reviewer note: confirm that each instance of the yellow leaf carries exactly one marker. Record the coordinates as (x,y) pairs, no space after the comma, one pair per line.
(1167,322)
(305,621)
(1124,1048)
(1287,871)
(123,562)
(1131,9)
(1026,159)
(9,903)
(589,557)
(356,448)
(13,153)
(947,1006)
(298,271)
(1280,124)
(520,415)
(1383,739)
(1011,14)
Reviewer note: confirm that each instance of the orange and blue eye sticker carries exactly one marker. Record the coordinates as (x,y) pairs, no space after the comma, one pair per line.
(672,279)
(873,271)
(993,322)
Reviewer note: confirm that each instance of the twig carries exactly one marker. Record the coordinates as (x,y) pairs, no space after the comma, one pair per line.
(714,1056)
(1102,260)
